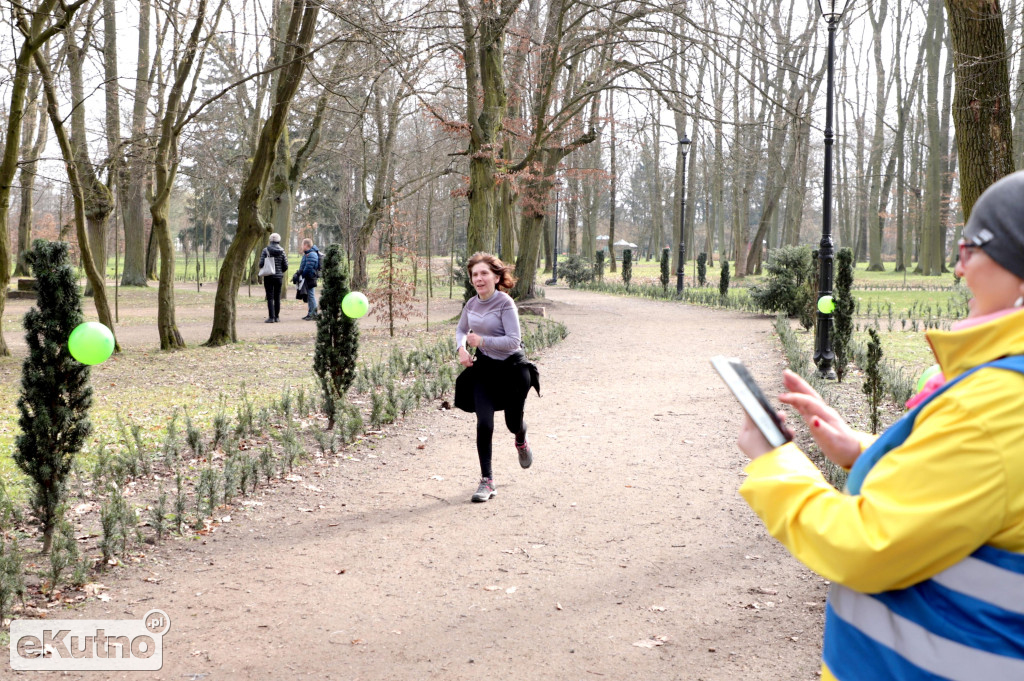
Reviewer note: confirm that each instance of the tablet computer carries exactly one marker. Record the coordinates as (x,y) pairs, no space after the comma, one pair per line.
(752,399)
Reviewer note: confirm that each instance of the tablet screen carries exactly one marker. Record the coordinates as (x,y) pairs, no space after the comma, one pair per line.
(751,398)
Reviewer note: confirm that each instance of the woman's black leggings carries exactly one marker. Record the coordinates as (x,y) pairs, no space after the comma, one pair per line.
(485,408)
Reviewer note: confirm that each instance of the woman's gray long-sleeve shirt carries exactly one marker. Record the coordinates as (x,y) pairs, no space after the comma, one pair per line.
(496,320)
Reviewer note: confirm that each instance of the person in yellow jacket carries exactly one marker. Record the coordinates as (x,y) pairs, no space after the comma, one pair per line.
(925,547)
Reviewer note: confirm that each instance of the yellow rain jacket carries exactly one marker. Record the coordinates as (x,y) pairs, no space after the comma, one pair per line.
(954,486)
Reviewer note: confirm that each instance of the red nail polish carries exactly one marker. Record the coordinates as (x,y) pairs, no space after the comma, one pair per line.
(817,422)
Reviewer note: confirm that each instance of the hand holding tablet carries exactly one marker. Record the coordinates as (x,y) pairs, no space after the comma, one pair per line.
(752,399)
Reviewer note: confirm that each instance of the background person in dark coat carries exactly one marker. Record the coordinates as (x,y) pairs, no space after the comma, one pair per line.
(309,270)
(272,283)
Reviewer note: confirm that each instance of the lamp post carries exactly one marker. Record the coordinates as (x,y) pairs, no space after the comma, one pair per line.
(832,11)
(554,246)
(684,148)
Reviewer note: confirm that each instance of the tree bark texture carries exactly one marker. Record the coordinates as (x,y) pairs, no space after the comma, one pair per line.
(35,125)
(981,103)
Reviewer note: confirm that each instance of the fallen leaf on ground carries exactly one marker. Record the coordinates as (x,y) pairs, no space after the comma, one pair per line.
(652,642)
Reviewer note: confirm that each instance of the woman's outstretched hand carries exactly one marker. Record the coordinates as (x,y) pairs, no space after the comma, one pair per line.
(835,438)
(465,359)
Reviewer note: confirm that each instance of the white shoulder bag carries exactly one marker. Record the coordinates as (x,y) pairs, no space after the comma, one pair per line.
(269,268)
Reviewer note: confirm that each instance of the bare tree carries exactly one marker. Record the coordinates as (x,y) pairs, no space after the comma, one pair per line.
(251,226)
(35,31)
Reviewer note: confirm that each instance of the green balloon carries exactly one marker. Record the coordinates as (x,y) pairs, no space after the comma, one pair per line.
(91,343)
(826,305)
(927,375)
(355,305)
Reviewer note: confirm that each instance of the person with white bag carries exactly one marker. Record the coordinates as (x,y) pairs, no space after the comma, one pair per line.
(273,265)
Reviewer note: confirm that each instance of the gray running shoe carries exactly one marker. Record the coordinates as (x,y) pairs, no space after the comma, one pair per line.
(485,491)
(525,453)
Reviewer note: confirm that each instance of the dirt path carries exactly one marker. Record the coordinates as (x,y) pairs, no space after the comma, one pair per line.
(628,527)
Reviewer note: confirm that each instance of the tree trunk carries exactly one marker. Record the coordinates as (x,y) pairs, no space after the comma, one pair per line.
(486,107)
(136,170)
(876,221)
(37,35)
(99,201)
(982,103)
(933,173)
(34,126)
(92,273)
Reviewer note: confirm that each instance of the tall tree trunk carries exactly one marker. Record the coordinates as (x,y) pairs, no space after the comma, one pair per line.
(99,201)
(166,168)
(92,273)
(486,107)
(137,167)
(877,222)
(982,103)
(933,173)
(534,213)
(36,32)
(572,215)
(34,126)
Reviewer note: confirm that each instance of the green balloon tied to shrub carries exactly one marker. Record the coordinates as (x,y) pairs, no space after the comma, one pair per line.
(826,305)
(355,305)
(91,343)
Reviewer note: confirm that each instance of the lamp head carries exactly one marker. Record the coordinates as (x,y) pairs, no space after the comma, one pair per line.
(684,144)
(833,10)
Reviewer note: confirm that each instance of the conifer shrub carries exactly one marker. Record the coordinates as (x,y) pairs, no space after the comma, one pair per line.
(627,267)
(55,393)
(873,383)
(599,265)
(723,280)
(666,257)
(575,270)
(786,287)
(843,315)
(12,575)
(337,335)
(702,269)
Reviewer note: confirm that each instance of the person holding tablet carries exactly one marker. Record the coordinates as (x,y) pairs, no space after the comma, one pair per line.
(925,547)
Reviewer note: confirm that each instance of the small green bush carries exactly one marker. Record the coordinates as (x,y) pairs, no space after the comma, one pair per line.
(786,290)
(723,280)
(627,267)
(576,271)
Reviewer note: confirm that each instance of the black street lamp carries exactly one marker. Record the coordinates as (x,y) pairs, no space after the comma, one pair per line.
(554,246)
(832,11)
(684,148)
